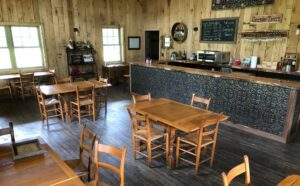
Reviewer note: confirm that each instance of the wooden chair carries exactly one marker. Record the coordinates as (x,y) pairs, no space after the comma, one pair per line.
(26,85)
(200,100)
(49,107)
(148,135)
(147,97)
(9,130)
(84,105)
(118,153)
(63,80)
(7,88)
(139,98)
(79,165)
(236,171)
(101,96)
(194,142)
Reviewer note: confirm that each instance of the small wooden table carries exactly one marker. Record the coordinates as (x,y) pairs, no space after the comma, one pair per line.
(50,90)
(292,180)
(176,116)
(38,170)
(114,72)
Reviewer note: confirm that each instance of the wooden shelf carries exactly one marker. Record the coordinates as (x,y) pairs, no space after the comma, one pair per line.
(77,65)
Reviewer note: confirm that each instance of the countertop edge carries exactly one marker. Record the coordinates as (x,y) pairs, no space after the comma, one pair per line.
(233,75)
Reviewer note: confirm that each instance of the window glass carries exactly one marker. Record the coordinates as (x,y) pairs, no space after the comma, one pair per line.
(25,36)
(111,45)
(3,42)
(5,59)
(28,57)
(20,47)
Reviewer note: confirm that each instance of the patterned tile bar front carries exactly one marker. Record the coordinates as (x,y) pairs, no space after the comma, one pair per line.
(259,106)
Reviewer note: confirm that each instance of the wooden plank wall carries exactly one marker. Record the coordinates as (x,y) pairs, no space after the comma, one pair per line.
(59,17)
(162,14)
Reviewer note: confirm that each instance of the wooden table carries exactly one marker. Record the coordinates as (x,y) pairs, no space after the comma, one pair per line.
(50,90)
(292,180)
(38,170)
(176,116)
(16,76)
(115,72)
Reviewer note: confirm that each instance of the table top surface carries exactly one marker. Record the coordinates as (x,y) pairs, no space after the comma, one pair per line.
(290,180)
(45,169)
(177,115)
(15,76)
(70,87)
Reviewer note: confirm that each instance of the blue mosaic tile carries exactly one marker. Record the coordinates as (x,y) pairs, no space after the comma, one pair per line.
(258,106)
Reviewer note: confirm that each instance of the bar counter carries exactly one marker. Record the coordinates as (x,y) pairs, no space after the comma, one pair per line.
(265,106)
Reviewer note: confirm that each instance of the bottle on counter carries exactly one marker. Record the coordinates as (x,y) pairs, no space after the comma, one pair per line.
(288,67)
(183,56)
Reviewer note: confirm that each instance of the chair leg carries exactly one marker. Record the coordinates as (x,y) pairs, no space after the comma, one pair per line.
(105,100)
(134,147)
(149,152)
(167,147)
(177,151)
(212,154)
(46,115)
(198,154)
(79,115)
(94,112)
(61,111)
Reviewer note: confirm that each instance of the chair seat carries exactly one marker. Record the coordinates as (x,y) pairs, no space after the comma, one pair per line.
(77,166)
(50,101)
(96,183)
(84,102)
(155,134)
(192,138)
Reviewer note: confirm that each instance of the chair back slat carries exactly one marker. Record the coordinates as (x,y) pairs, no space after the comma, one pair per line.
(139,122)
(140,98)
(236,171)
(120,153)
(200,100)
(86,135)
(63,80)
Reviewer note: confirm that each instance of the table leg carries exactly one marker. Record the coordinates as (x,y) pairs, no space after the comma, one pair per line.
(171,160)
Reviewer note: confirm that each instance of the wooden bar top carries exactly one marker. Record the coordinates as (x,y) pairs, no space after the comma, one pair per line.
(234,75)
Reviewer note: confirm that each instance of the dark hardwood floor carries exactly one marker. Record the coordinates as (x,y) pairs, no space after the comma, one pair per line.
(270,161)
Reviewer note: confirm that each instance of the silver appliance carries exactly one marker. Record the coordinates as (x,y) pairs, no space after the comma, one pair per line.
(213,56)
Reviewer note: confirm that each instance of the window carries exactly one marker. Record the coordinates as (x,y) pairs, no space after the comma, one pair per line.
(20,47)
(112,45)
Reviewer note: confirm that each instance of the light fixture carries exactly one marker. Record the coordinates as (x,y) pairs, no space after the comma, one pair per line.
(298,30)
(76,30)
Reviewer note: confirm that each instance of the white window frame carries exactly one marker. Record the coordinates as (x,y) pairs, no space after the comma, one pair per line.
(11,47)
(121,43)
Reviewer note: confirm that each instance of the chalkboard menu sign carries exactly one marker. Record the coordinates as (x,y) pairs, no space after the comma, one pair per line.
(228,4)
(222,30)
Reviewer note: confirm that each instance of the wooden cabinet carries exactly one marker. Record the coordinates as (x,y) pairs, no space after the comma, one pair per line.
(115,72)
(81,63)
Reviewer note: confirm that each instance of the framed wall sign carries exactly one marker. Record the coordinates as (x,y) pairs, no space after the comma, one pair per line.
(134,42)
(276,18)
